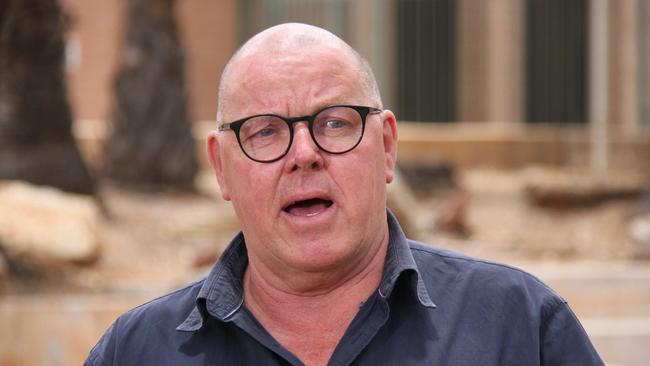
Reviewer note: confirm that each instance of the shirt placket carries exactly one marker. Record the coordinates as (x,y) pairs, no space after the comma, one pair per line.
(371,317)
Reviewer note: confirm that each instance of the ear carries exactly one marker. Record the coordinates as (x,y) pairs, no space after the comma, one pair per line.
(215,160)
(390,142)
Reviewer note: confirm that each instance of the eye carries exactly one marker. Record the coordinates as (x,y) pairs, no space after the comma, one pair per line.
(335,123)
(261,128)
(257,132)
(265,132)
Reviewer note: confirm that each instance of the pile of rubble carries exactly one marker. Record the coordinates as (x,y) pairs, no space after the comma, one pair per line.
(165,238)
(44,230)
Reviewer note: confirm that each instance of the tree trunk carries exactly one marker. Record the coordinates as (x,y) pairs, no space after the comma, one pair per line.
(36,143)
(152,143)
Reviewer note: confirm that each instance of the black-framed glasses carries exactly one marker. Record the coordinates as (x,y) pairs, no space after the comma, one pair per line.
(266,138)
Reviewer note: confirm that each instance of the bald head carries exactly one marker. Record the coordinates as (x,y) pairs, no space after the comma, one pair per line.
(291,38)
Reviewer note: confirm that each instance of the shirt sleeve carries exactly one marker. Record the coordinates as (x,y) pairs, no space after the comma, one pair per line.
(564,341)
(102,353)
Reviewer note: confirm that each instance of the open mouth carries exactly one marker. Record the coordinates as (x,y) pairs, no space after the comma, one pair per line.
(310,207)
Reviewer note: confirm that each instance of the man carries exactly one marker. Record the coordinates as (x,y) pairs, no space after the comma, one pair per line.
(322,273)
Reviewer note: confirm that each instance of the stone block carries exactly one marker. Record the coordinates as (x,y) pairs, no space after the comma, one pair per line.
(44,228)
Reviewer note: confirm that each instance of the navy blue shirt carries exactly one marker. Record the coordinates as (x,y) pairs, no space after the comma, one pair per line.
(432,307)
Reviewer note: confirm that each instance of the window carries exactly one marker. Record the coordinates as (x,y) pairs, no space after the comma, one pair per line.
(426,60)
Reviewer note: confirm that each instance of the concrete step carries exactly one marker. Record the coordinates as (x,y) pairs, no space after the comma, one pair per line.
(620,340)
(57,330)
(598,289)
(612,301)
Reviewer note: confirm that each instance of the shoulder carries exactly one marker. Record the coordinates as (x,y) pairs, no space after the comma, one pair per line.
(147,323)
(509,305)
(448,273)
(168,308)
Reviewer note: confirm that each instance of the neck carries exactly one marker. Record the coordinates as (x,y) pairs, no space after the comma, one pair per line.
(309,317)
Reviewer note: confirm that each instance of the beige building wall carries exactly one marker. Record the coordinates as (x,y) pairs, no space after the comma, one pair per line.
(471,67)
(505,60)
(645,31)
(490,60)
(623,67)
(208,31)
(92,41)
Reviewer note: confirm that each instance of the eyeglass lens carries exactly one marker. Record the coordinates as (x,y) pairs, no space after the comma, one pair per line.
(335,130)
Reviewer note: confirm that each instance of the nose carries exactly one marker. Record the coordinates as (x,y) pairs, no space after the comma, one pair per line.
(304,154)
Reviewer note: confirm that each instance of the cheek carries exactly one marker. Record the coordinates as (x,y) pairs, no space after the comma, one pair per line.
(363,179)
(250,203)
(374,164)
(251,186)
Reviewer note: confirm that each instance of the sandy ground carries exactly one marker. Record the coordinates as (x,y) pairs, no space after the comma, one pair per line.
(505,224)
(158,241)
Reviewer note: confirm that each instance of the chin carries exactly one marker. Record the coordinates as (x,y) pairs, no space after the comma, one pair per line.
(321,255)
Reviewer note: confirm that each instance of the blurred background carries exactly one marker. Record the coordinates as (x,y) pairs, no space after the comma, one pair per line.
(524,138)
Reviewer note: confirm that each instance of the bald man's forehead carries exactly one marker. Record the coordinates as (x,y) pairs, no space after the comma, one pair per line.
(282,49)
(269,82)
(274,58)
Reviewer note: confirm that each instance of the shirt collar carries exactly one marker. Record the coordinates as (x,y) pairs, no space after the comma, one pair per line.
(222,294)
(399,260)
